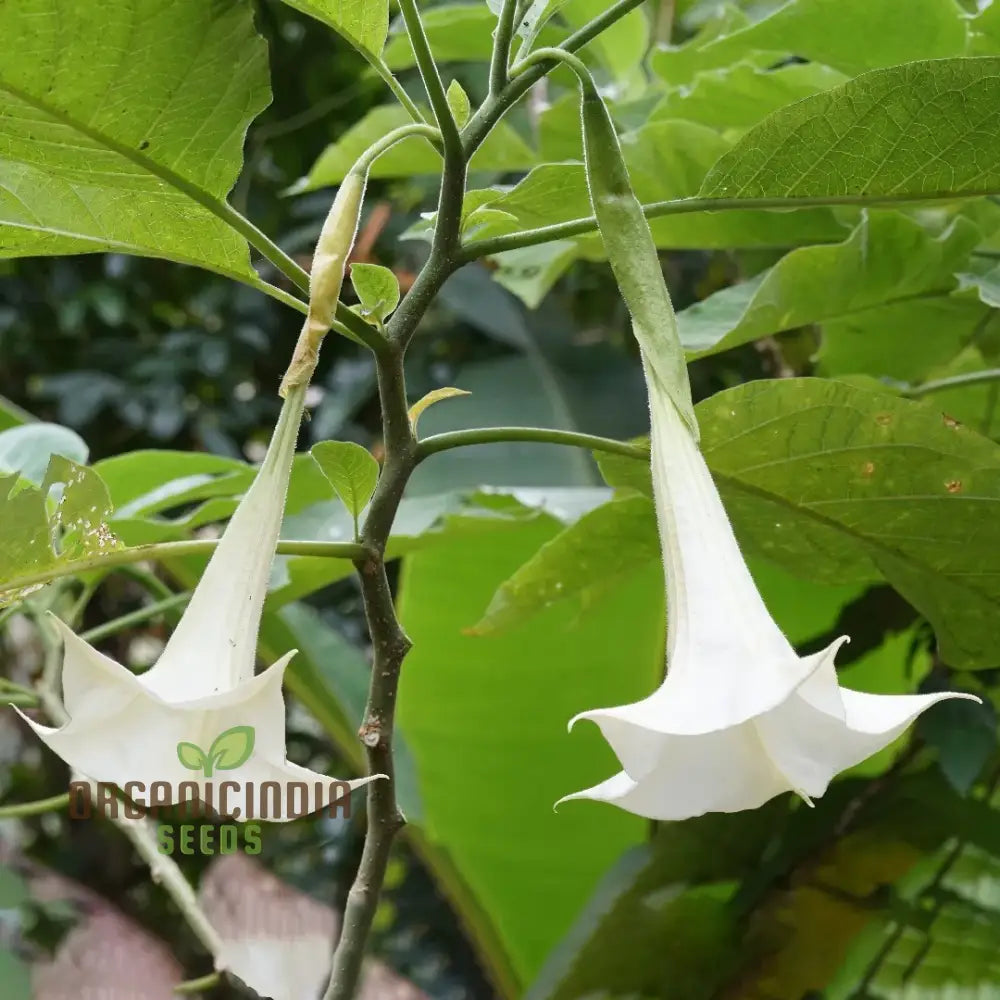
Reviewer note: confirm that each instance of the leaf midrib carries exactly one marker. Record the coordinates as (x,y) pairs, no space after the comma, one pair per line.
(214,205)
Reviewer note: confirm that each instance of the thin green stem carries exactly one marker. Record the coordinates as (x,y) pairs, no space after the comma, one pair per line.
(376,149)
(348,324)
(396,87)
(173,550)
(494,108)
(280,295)
(954,382)
(539,435)
(148,580)
(137,617)
(22,809)
(11,688)
(680,206)
(502,40)
(432,79)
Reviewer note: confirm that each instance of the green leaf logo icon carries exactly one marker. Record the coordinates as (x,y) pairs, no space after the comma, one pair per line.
(229,750)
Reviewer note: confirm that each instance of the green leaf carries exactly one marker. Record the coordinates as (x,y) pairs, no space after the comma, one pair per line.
(458,101)
(11,415)
(135,135)
(530,272)
(619,49)
(378,290)
(37,538)
(905,340)
(583,561)
(429,399)
(147,481)
(232,748)
(889,257)
(503,150)
(678,65)
(661,923)
(741,95)
(457,32)
(191,756)
(849,35)
(503,701)
(626,475)
(838,484)
(364,23)
(351,470)
(535,18)
(936,942)
(27,449)
(903,132)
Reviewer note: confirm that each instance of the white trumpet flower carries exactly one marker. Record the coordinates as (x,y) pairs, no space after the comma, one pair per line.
(741,717)
(200,713)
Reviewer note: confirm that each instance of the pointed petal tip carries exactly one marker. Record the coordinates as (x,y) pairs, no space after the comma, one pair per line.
(567,798)
(589,716)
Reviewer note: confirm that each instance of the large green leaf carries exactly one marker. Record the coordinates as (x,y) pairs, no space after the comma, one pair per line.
(851,35)
(364,23)
(619,49)
(741,95)
(503,150)
(121,122)
(905,340)
(888,258)
(679,65)
(938,940)
(591,556)
(667,160)
(840,484)
(662,924)
(921,130)
(485,719)
(457,32)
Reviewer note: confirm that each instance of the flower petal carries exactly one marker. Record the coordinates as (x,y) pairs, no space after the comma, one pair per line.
(86,672)
(725,771)
(215,642)
(122,733)
(811,746)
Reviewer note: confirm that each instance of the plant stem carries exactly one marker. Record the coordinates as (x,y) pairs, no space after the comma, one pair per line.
(396,87)
(678,206)
(389,642)
(501,47)
(21,809)
(542,435)
(954,382)
(136,617)
(198,985)
(450,138)
(390,646)
(171,550)
(494,108)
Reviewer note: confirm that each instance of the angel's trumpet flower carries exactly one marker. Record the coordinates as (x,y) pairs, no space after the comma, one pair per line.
(201,713)
(741,717)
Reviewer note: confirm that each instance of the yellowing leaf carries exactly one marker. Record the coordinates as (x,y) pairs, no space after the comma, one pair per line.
(446,392)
